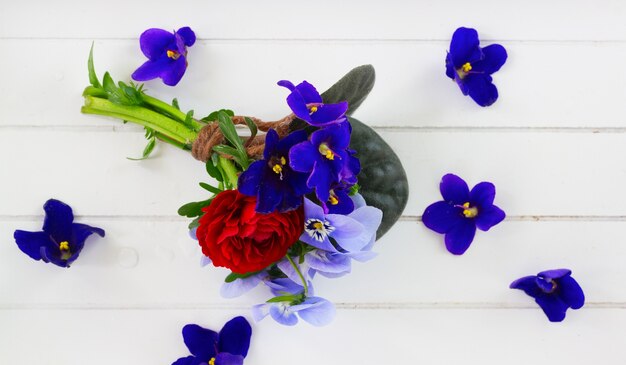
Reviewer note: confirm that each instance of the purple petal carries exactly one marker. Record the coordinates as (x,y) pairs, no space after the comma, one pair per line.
(269,196)
(313,211)
(441,217)
(260,311)
(349,234)
(239,287)
(234,337)
(555,274)
(154,42)
(321,179)
(293,287)
(369,217)
(553,307)
(249,180)
(454,189)
(571,293)
(172,75)
(188,36)
(58,220)
(459,238)
(489,217)
(494,57)
(200,341)
(31,242)
(482,194)
(302,156)
(528,284)
(309,92)
(298,106)
(329,114)
(316,311)
(271,143)
(322,245)
(151,69)
(450,71)
(286,83)
(224,358)
(327,262)
(481,89)
(464,46)
(282,314)
(189,360)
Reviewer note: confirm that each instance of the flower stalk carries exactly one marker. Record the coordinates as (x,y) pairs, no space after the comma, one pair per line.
(304,283)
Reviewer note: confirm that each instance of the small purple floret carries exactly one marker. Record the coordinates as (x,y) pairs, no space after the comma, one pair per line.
(306,103)
(61,240)
(554,290)
(471,66)
(462,211)
(166,53)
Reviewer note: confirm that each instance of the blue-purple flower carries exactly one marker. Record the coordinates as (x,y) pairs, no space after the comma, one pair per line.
(228,347)
(167,54)
(471,66)
(60,241)
(306,103)
(462,211)
(314,310)
(554,290)
(272,180)
(323,158)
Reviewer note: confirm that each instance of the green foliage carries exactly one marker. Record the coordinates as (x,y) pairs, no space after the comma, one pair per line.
(234,276)
(93,78)
(237,151)
(253,128)
(213,116)
(194,209)
(175,104)
(353,88)
(210,188)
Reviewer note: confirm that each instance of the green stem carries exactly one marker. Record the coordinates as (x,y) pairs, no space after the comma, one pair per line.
(306,287)
(229,170)
(140,115)
(170,110)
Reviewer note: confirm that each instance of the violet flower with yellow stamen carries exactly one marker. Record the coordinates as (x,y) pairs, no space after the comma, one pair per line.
(167,54)
(323,157)
(471,66)
(275,184)
(306,103)
(462,211)
(60,241)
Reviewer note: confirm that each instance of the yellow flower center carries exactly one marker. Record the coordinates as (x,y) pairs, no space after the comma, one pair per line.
(467,67)
(277,169)
(469,212)
(318,225)
(278,165)
(173,54)
(326,151)
(64,246)
(212,361)
(312,109)
(333,200)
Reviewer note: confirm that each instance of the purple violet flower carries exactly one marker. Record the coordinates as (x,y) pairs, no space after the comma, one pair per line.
(306,103)
(314,310)
(323,158)
(228,347)
(272,180)
(554,290)
(471,66)
(167,54)
(60,241)
(351,232)
(461,211)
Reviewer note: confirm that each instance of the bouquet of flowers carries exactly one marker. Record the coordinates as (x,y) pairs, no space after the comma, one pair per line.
(290,199)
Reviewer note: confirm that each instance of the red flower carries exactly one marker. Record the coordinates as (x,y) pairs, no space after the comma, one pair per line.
(233,235)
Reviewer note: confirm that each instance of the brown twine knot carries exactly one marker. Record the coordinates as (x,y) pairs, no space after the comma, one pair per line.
(210,136)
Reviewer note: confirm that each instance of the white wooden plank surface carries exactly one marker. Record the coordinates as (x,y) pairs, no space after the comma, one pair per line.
(153,264)
(554,145)
(553,172)
(543,85)
(433,336)
(326,19)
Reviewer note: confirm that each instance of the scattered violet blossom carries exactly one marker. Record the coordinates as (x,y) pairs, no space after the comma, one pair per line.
(314,310)
(323,158)
(61,240)
(272,180)
(554,290)
(306,103)
(461,211)
(228,347)
(167,54)
(471,66)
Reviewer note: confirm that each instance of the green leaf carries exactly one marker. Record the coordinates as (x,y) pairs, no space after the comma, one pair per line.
(189,119)
(93,78)
(193,209)
(194,223)
(146,151)
(175,104)
(213,171)
(285,298)
(210,188)
(382,180)
(252,126)
(108,84)
(227,150)
(353,88)
(230,133)
(234,276)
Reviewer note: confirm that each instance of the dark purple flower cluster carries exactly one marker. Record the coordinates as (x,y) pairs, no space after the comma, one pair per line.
(298,165)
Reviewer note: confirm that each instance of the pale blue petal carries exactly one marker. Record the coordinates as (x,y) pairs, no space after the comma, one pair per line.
(316,311)
(241,286)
